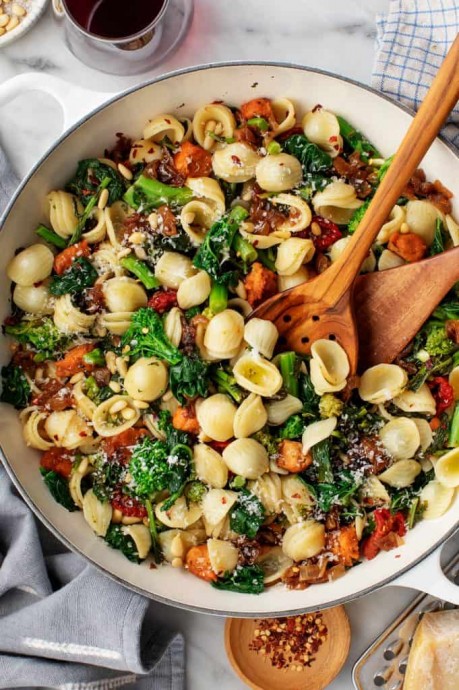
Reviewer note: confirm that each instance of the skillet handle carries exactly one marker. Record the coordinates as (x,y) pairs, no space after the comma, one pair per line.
(429,577)
(74,101)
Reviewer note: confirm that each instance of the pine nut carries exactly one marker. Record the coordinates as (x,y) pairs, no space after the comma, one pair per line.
(117,516)
(140,253)
(103,199)
(130,520)
(177,546)
(83,466)
(404,228)
(115,386)
(315,229)
(121,366)
(117,406)
(137,238)
(128,413)
(12,24)
(125,172)
(110,359)
(177,563)
(141,404)
(77,377)
(153,220)
(18,10)
(4,19)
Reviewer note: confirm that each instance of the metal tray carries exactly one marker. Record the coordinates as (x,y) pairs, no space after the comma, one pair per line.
(383,665)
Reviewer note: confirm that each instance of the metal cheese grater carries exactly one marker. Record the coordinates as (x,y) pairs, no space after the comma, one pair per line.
(383,664)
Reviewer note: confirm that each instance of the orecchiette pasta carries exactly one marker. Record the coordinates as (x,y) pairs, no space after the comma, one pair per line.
(116,323)
(124,295)
(146,379)
(173,268)
(298,501)
(115,217)
(389,260)
(329,366)
(194,290)
(447,469)
(115,415)
(297,278)
(216,504)
(401,473)
(223,556)
(31,266)
(400,437)
(144,151)
(209,466)
(250,417)
(34,300)
(337,202)
(262,336)
(280,410)
(98,515)
(140,534)
(98,232)
(393,224)
(235,163)
(173,326)
(69,319)
(292,254)
(64,211)
(257,375)
(211,121)
(436,498)
(278,173)
(163,126)
(67,429)
(180,515)
(268,488)
(303,540)
(322,128)
(196,219)
(208,189)
(338,248)
(421,217)
(284,112)
(224,334)
(216,417)
(382,382)
(421,401)
(32,430)
(246,457)
(318,431)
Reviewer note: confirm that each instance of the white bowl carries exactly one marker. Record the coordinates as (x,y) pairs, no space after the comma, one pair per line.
(35,9)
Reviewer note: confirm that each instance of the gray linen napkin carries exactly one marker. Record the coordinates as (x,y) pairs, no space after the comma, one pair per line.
(62,623)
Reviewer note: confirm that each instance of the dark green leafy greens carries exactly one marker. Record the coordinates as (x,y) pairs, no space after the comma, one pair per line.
(338,493)
(247,514)
(214,254)
(356,141)
(78,277)
(146,337)
(59,488)
(89,175)
(317,164)
(321,457)
(247,579)
(440,238)
(15,387)
(189,379)
(116,538)
(357,217)
(308,397)
(106,478)
(42,336)
(147,194)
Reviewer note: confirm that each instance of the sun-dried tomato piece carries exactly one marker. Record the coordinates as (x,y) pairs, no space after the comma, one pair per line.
(329,233)
(58,460)
(442,392)
(128,505)
(163,300)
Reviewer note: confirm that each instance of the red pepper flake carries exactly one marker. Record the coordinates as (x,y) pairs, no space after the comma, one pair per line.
(442,392)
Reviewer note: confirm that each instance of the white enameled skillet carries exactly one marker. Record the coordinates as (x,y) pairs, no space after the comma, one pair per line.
(415,564)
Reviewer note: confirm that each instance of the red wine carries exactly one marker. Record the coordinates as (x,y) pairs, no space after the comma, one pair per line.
(114,18)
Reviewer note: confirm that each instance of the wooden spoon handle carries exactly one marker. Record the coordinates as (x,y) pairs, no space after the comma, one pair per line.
(438,103)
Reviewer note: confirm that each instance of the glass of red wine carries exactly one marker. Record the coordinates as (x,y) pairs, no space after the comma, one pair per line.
(115,36)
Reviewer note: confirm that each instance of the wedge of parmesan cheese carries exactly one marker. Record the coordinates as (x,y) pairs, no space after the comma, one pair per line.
(433,663)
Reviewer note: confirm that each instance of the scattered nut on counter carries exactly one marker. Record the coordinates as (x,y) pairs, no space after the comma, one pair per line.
(289,643)
(11,14)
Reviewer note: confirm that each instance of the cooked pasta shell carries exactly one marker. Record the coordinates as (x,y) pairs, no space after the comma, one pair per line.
(421,401)
(169,403)
(421,217)
(222,556)
(124,294)
(209,466)
(240,305)
(81,470)
(64,212)
(31,265)
(401,474)
(196,218)
(322,128)
(382,382)
(140,535)
(338,248)
(208,189)
(292,254)
(106,260)
(274,564)
(152,424)
(454,381)
(447,469)
(250,417)
(297,278)
(279,173)
(115,215)
(173,268)
(453,229)
(246,457)
(374,490)
(210,120)
(98,232)
(67,429)
(173,326)
(33,299)
(389,260)
(268,489)
(222,530)
(257,375)
(84,404)
(337,202)
(194,291)
(144,151)
(216,504)
(400,438)
(300,214)
(246,229)
(262,336)
(392,224)
(303,540)
(280,410)
(329,366)
(108,422)
(162,126)
(317,432)
(224,334)
(69,319)
(181,515)
(425,432)
(437,499)
(235,162)
(284,113)
(188,539)
(116,323)
(98,515)
(32,430)
(146,379)
(216,417)
(298,500)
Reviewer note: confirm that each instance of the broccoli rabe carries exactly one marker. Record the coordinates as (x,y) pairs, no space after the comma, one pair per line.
(149,467)
(196,491)
(226,383)
(357,217)
(289,365)
(330,406)
(78,277)
(246,579)
(59,488)
(15,387)
(247,514)
(145,337)
(148,193)
(440,238)
(268,441)
(106,477)
(141,270)
(116,538)
(437,342)
(189,379)
(88,177)
(356,141)
(317,164)
(308,397)
(41,334)
(293,427)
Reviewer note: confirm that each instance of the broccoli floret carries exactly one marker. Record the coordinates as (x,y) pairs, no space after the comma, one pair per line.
(330,406)
(226,383)
(149,467)
(268,441)
(145,337)
(438,343)
(293,427)
(15,387)
(357,217)
(149,194)
(196,491)
(41,334)
(116,538)
(238,482)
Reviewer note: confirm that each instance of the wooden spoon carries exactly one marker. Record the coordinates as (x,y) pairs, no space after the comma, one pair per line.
(391,306)
(322,307)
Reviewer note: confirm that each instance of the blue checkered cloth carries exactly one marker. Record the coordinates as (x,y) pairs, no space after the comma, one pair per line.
(413,38)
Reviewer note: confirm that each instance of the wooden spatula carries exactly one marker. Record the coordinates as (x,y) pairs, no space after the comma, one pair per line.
(322,307)
(391,306)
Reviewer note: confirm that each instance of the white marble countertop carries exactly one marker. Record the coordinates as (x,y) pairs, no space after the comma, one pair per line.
(329,34)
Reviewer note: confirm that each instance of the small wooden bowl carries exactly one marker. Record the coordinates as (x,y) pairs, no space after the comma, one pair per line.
(257,672)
